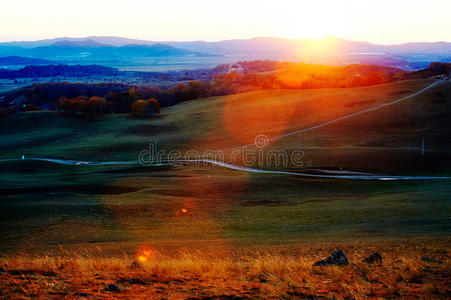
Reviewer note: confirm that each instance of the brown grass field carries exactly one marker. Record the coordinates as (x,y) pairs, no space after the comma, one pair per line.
(277,272)
(204,232)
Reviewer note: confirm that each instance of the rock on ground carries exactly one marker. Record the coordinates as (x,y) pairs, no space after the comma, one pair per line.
(338,258)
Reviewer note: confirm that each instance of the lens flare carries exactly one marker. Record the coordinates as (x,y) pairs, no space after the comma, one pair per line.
(142,258)
(145,254)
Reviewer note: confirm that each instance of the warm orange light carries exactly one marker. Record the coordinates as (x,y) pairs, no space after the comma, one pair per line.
(209,176)
(184,210)
(269,115)
(145,254)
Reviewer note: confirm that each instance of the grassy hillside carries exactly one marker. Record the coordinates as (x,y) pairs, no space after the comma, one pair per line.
(387,140)
(220,233)
(43,205)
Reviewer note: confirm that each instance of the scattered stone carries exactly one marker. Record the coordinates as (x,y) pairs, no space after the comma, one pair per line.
(398,261)
(373,258)
(112,288)
(81,295)
(431,260)
(337,258)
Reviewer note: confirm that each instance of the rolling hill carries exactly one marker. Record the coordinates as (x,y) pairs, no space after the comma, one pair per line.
(386,141)
(119,207)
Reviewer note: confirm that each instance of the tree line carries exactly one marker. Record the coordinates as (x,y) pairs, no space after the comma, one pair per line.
(100,98)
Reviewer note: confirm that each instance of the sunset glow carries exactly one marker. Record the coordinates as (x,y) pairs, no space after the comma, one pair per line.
(225,149)
(383,21)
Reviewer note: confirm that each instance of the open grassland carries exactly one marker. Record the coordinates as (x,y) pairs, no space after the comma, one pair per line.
(279,273)
(88,206)
(44,205)
(388,140)
(214,231)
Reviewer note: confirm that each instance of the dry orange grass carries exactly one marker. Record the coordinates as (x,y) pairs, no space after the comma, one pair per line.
(270,274)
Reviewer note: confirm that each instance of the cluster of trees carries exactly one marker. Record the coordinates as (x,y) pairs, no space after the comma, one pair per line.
(443,68)
(95,106)
(95,99)
(83,105)
(434,69)
(119,97)
(304,76)
(253,66)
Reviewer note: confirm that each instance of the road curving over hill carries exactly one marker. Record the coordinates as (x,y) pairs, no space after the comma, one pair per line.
(323,173)
(177,162)
(296,132)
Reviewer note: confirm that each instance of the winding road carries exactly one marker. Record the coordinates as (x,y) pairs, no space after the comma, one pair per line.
(346,175)
(343,117)
(327,173)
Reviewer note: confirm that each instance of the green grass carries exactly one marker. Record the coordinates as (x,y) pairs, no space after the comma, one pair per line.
(92,207)
(385,141)
(43,205)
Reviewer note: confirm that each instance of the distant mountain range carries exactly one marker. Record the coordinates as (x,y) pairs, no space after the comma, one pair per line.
(243,46)
(69,49)
(327,50)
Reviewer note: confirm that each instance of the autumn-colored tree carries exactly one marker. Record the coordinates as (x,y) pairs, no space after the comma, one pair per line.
(75,105)
(144,108)
(181,87)
(132,93)
(96,105)
(78,105)
(139,108)
(155,105)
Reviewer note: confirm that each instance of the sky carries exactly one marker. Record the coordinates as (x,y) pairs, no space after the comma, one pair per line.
(378,21)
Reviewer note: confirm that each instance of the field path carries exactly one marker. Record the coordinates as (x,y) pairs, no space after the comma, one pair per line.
(344,117)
